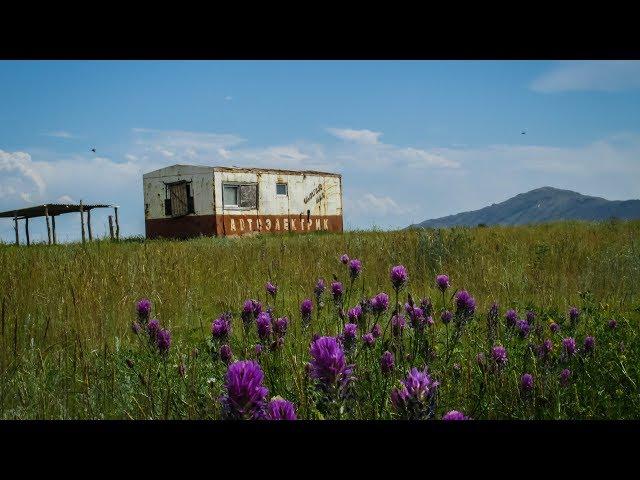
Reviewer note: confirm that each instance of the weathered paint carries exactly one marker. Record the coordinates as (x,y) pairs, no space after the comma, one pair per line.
(313,202)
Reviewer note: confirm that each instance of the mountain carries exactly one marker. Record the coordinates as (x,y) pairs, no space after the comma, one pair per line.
(544,204)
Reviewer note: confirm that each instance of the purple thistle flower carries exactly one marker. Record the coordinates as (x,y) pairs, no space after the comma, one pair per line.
(163,340)
(250,309)
(349,335)
(523,328)
(271,289)
(221,327)
(494,310)
(530,317)
(258,349)
(569,345)
(387,362)
(564,377)
(446,316)
(263,322)
(368,339)
(306,307)
(554,327)
(143,306)
(499,354)
(376,330)
(152,328)
(612,324)
(328,364)
(416,316)
(344,258)
(136,327)
(574,313)
(399,276)
(413,398)
(526,382)
(280,326)
(511,317)
(380,303)
(280,409)
(546,348)
(589,343)
(454,415)
(355,267)
(397,325)
(465,303)
(442,281)
(245,394)
(319,288)
(430,322)
(355,314)
(225,354)
(426,306)
(336,290)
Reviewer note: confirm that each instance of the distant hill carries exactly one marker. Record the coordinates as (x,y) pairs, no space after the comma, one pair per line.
(544,204)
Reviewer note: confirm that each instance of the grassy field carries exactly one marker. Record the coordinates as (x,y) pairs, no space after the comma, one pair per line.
(68,349)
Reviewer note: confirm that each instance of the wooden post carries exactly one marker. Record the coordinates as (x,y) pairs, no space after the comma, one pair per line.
(26,229)
(111,227)
(53,227)
(115,209)
(46,216)
(82,221)
(15,226)
(89,224)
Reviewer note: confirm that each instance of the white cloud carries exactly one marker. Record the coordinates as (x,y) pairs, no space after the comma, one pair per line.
(66,199)
(601,75)
(180,146)
(366,137)
(60,134)
(19,172)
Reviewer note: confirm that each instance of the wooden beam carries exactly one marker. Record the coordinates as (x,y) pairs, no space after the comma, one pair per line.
(15,226)
(115,210)
(89,224)
(26,229)
(46,216)
(111,227)
(53,228)
(82,221)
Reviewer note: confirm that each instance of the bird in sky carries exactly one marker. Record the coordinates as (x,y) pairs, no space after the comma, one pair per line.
(523,132)
(93,150)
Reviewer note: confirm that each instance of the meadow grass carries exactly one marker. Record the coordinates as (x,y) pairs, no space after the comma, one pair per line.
(66,314)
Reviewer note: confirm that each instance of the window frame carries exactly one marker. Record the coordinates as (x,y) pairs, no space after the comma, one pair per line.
(286,187)
(168,212)
(238,185)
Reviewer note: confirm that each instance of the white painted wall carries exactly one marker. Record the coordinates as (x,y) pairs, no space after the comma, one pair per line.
(299,186)
(207,190)
(154,188)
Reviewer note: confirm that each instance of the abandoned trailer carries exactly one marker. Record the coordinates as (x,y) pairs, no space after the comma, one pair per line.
(185,201)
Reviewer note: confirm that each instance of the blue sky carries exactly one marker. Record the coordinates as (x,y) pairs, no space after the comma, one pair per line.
(413,139)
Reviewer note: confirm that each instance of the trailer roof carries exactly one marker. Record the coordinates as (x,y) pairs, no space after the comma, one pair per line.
(53,209)
(249,170)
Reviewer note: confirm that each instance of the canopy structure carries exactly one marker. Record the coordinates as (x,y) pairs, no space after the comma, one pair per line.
(51,210)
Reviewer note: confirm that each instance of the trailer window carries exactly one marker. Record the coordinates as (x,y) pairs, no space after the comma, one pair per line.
(241,196)
(230,195)
(281,189)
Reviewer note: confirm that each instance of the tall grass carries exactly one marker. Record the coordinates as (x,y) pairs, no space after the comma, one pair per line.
(66,310)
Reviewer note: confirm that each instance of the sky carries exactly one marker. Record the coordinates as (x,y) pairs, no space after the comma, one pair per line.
(413,140)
